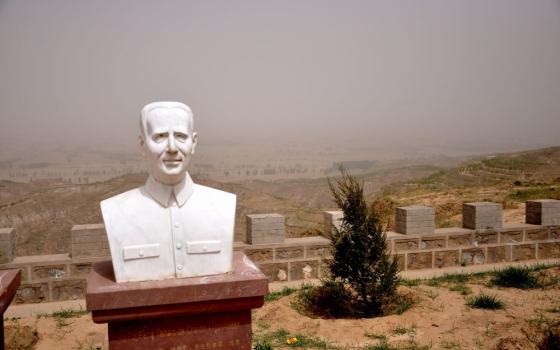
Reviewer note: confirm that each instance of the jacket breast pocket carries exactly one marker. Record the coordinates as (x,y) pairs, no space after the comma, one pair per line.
(204,247)
(141,251)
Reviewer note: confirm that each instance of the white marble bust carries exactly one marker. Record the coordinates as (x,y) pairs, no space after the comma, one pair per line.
(170,227)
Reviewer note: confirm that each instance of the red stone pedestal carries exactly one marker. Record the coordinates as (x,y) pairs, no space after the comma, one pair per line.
(202,313)
(9,283)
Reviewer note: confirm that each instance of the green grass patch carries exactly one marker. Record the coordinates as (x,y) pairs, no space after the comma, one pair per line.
(279,294)
(380,337)
(403,303)
(461,288)
(401,330)
(512,162)
(282,338)
(515,277)
(62,316)
(485,301)
(384,345)
(524,194)
(409,282)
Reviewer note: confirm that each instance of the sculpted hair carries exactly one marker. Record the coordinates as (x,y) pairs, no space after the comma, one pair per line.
(162,105)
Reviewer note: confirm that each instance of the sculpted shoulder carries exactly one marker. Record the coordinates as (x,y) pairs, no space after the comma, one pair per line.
(214,194)
(125,198)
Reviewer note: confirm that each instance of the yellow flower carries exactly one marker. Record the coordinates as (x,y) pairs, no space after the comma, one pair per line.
(291,340)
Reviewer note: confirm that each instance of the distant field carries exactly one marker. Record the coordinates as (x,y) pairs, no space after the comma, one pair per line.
(44,213)
(510,179)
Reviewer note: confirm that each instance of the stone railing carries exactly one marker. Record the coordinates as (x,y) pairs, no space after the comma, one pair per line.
(484,239)
(417,244)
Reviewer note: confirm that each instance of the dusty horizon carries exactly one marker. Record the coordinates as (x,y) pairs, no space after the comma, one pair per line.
(442,77)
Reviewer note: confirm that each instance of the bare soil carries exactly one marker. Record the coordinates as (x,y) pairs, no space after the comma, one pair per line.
(439,319)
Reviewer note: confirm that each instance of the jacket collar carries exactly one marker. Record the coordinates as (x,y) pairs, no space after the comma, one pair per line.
(163,194)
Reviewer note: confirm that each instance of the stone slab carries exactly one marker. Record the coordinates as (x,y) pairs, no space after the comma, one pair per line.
(209,312)
(103,293)
(265,228)
(9,283)
(415,219)
(415,210)
(332,218)
(482,215)
(543,212)
(230,330)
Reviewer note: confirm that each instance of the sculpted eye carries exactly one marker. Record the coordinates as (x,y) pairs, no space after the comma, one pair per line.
(181,137)
(160,137)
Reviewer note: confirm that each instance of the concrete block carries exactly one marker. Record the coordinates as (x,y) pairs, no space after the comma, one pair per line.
(482,215)
(48,272)
(89,240)
(537,235)
(332,218)
(68,289)
(415,219)
(418,261)
(288,253)
(460,240)
(434,242)
(446,258)
(406,244)
(318,252)
(80,269)
(473,256)
(522,252)
(543,212)
(275,271)
(7,245)
(32,293)
(304,270)
(486,237)
(511,237)
(260,255)
(265,228)
(498,254)
(549,250)
(400,261)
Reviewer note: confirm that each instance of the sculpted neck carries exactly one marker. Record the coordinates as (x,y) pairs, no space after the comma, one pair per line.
(163,193)
(169,180)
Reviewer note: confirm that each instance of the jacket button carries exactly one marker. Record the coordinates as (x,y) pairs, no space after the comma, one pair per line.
(179,267)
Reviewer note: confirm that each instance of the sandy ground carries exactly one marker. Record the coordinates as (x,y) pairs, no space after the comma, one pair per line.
(79,333)
(439,318)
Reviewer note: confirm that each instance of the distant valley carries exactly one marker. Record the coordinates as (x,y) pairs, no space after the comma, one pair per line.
(44,212)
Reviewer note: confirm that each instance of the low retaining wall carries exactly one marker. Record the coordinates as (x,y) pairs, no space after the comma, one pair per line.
(462,247)
(294,259)
(62,276)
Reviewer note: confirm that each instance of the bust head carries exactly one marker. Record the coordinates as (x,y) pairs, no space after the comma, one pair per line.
(167,140)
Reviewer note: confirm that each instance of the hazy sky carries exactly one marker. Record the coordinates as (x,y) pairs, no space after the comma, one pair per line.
(468,73)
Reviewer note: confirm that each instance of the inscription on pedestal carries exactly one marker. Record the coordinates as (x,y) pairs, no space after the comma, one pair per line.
(198,313)
(201,332)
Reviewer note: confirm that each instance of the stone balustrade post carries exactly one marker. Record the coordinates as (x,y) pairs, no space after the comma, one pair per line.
(415,219)
(265,228)
(482,215)
(7,245)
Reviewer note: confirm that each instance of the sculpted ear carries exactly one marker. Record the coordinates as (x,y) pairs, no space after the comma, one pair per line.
(141,143)
(195,139)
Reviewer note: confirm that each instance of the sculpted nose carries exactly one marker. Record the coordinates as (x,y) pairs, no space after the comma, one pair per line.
(171,146)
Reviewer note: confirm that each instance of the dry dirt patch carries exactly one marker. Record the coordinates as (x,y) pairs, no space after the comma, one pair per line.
(438,320)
